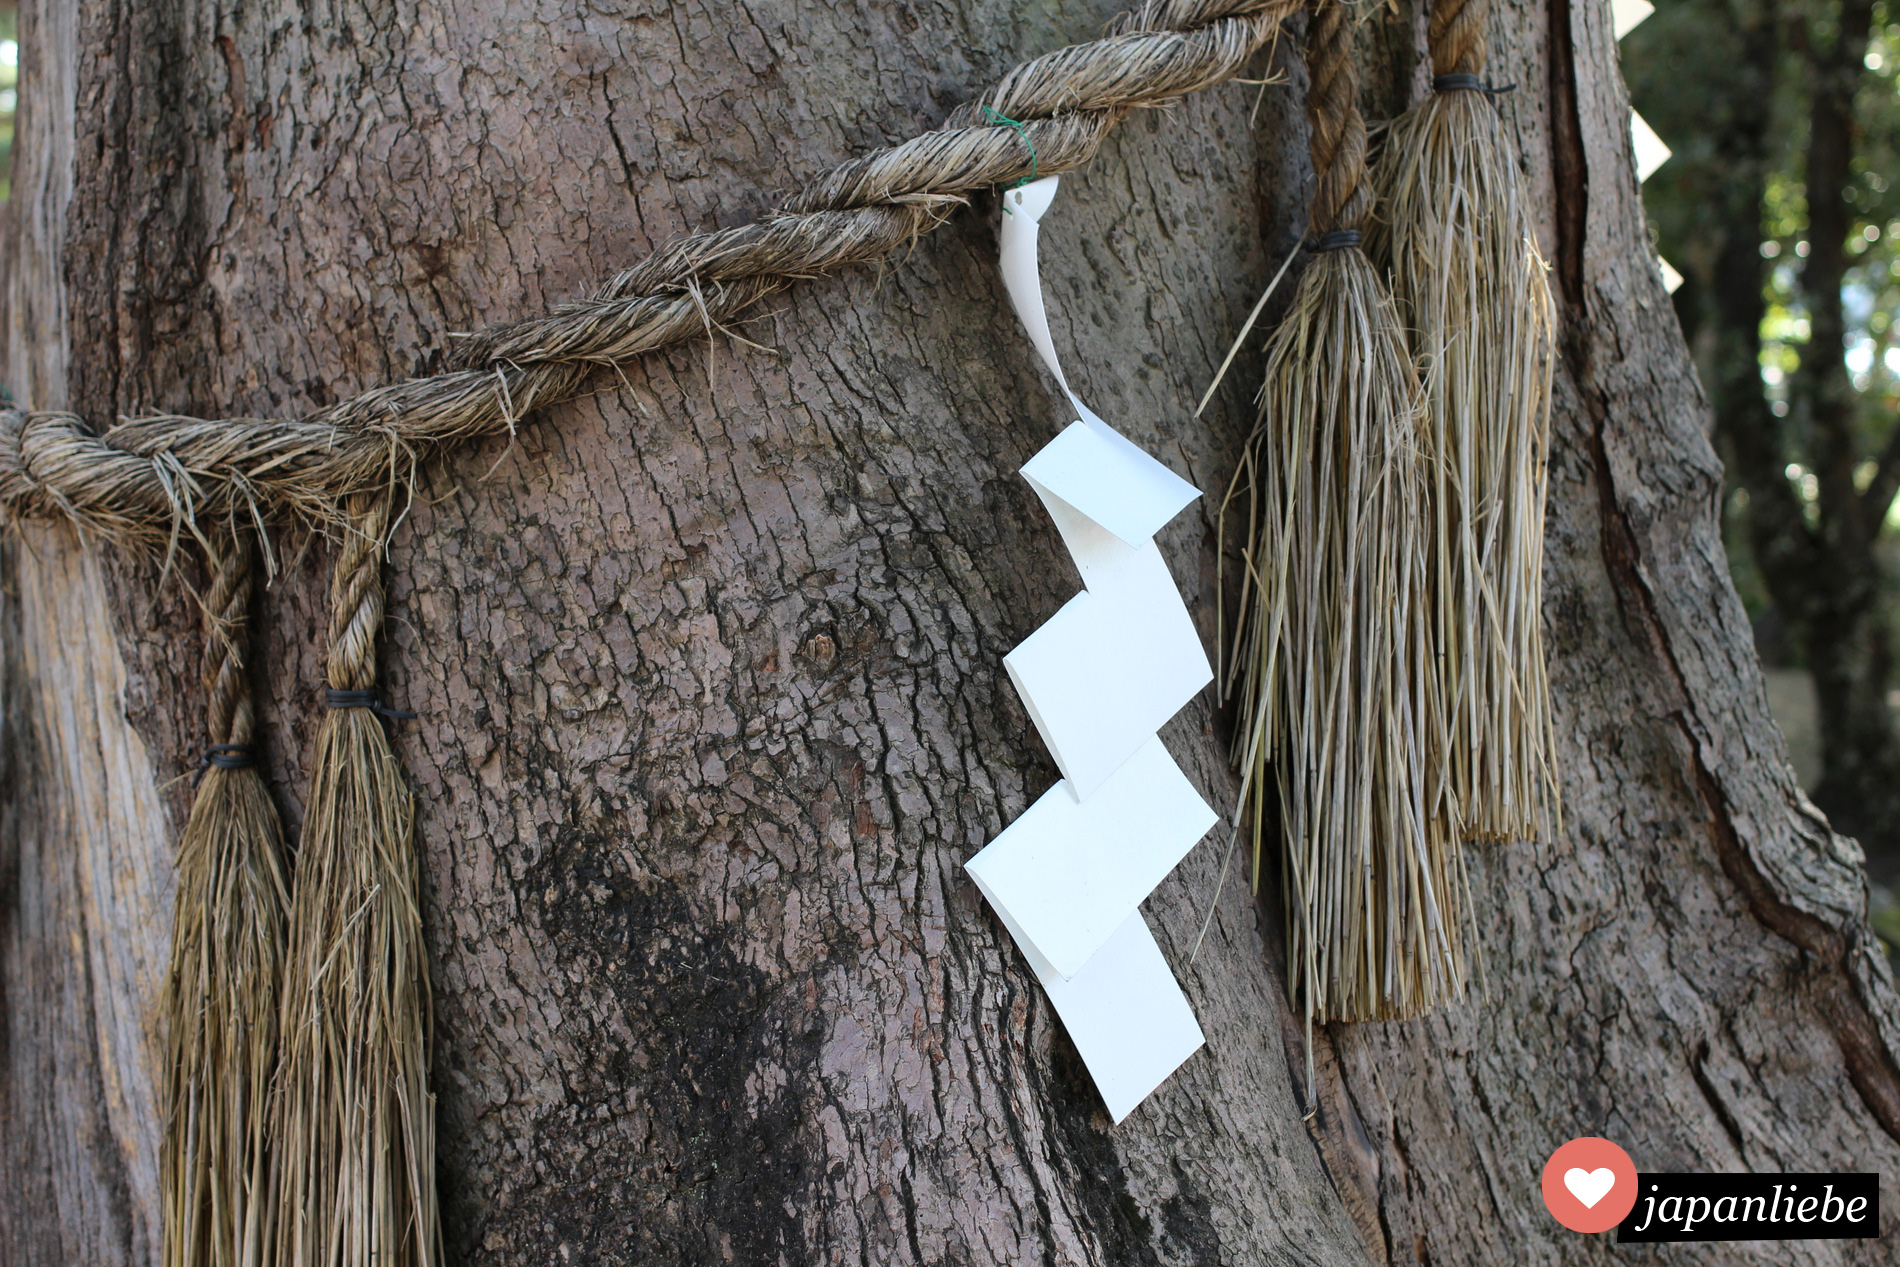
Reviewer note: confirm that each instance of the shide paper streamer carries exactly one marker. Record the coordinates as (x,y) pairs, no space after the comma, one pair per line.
(1099,679)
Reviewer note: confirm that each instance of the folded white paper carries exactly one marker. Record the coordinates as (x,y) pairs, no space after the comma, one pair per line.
(1124,1012)
(1102,475)
(1108,670)
(1070,872)
(1022,278)
(1023,209)
(1651,152)
(1626,15)
(1099,679)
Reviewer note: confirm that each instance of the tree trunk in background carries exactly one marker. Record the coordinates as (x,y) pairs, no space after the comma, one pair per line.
(1842,613)
(709,667)
(1825,578)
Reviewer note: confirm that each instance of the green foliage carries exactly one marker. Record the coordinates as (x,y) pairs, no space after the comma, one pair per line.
(9,92)
(1691,71)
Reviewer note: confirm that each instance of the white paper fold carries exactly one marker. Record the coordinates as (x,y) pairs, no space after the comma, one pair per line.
(1651,151)
(1126,1016)
(1626,15)
(1103,476)
(1070,872)
(1110,667)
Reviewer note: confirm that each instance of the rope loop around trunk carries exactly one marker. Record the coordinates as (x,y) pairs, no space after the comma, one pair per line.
(146,478)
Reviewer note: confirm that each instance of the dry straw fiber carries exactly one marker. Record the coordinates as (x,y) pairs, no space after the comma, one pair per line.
(354,1131)
(1471,287)
(227,954)
(1329,655)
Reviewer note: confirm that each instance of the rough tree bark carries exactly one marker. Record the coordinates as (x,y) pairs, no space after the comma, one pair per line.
(709,666)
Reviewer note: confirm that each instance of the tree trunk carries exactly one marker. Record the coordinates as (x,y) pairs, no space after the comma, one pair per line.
(1825,578)
(709,666)
(1844,617)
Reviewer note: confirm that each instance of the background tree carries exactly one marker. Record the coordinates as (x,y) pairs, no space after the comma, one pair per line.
(709,664)
(9,90)
(1781,213)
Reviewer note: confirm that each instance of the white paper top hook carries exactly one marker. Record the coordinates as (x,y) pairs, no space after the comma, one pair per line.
(1093,467)
(1023,207)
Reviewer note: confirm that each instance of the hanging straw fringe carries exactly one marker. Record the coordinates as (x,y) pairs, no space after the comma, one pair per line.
(355,1130)
(1329,651)
(1469,281)
(227,952)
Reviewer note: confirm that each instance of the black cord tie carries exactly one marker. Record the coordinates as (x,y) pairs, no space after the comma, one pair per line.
(364,699)
(1337,240)
(1469,83)
(226,756)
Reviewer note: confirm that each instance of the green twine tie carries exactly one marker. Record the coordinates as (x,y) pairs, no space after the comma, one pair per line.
(1023,132)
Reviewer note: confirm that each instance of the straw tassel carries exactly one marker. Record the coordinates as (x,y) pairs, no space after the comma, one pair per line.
(227,953)
(355,1128)
(1471,286)
(1328,657)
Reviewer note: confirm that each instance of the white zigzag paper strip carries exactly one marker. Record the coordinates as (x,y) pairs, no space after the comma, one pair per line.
(1099,679)
(1651,151)
(1626,15)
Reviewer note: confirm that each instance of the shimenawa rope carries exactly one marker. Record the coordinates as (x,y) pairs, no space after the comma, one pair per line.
(351,1141)
(143,477)
(342,1171)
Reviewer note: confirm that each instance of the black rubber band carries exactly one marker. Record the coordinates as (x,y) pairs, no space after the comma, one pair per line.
(364,699)
(1469,83)
(226,756)
(1337,240)
(230,756)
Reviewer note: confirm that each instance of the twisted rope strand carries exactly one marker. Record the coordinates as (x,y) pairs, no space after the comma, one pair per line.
(1456,36)
(140,480)
(230,718)
(356,593)
(1342,192)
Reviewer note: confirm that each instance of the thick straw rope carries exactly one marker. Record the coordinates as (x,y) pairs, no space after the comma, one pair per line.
(1342,193)
(356,596)
(230,717)
(143,478)
(1456,36)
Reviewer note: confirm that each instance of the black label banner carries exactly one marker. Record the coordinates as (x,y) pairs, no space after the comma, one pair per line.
(1795,1207)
